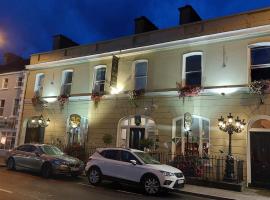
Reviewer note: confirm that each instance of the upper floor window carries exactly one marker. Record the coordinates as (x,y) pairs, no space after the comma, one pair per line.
(16,107)
(99,79)
(141,74)
(66,82)
(39,84)
(2,105)
(192,69)
(5,83)
(19,82)
(260,62)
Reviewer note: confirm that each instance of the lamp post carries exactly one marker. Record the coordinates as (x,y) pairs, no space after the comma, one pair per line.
(230,128)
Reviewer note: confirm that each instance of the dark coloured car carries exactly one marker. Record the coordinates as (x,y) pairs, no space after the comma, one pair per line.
(46,159)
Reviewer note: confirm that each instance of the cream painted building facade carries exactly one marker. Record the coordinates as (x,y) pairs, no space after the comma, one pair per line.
(220,55)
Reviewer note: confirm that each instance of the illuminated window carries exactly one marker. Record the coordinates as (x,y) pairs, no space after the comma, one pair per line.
(99,79)
(141,74)
(5,83)
(7,140)
(197,141)
(66,82)
(260,62)
(192,69)
(39,84)
(2,105)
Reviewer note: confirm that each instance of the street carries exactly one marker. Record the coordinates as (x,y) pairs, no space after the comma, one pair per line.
(23,185)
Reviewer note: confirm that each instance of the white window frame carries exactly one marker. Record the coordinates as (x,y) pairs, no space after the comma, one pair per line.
(185,56)
(38,88)
(95,75)
(134,72)
(183,137)
(259,44)
(2,107)
(17,82)
(3,83)
(12,114)
(63,79)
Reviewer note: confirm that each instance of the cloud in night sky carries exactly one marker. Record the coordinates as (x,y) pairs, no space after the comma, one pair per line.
(27,26)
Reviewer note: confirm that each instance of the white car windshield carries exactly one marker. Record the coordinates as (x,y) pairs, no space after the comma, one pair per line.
(146,158)
(51,150)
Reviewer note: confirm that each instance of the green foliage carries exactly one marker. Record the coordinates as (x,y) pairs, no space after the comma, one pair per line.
(107,139)
(146,143)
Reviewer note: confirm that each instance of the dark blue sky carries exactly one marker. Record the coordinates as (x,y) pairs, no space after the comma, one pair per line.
(26,26)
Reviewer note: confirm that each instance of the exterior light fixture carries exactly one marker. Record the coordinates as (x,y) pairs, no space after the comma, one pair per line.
(230,128)
(40,121)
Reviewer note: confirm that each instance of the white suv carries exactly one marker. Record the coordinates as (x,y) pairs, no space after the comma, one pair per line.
(132,166)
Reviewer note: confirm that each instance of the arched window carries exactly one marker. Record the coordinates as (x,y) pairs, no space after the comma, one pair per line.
(260,61)
(196,141)
(192,69)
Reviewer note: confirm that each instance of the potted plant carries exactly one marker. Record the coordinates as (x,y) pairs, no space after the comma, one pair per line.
(188,90)
(62,99)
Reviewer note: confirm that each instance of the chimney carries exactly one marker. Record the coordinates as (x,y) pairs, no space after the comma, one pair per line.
(188,15)
(61,42)
(11,58)
(143,24)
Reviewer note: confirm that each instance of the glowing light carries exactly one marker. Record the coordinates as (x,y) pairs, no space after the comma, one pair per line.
(50,99)
(223,91)
(33,121)
(3,140)
(116,90)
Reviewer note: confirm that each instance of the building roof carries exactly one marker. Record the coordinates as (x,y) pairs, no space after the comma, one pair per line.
(13,66)
(231,23)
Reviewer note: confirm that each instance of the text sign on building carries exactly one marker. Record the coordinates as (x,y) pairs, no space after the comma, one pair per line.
(114,71)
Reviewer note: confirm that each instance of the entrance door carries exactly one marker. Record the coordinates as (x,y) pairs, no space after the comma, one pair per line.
(260,158)
(136,135)
(34,135)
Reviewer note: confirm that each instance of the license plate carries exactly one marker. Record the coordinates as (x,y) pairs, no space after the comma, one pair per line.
(180,181)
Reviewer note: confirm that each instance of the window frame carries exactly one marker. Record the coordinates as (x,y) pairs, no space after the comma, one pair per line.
(183,137)
(250,47)
(36,86)
(64,72)
(3,83)
(95,76)
(17,82)
(134,72)
(184,58)
(2,107)
(13,107)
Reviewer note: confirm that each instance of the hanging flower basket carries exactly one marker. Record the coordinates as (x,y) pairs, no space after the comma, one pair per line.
(96,97)
(38,101)
(62,99)
(188,91)
(259,88)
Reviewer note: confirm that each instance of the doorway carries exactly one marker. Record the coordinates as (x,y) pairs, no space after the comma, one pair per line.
(136,135)
(34,135)
(260,158)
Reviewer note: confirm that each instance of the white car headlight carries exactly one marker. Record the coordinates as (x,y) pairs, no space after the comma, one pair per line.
(167,173)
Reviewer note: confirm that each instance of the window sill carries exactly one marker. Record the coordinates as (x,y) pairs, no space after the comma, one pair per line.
(17,87)
(3,88)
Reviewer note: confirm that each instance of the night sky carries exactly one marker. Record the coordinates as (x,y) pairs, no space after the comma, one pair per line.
(27,26)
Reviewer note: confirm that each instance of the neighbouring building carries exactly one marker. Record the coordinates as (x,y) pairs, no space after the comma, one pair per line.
(12,88)
(127,88)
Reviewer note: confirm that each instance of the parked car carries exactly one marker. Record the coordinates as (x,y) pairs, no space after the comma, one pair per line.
(133,166)
(43,158)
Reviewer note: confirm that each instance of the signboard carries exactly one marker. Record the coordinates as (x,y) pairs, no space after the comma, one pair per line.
(114,71)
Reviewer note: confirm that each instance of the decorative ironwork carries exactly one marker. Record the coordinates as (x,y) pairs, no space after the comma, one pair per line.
(230,128)
(259,88)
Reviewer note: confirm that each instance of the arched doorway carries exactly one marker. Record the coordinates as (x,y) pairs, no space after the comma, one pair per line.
(35,130)
(133,131)
(258,151)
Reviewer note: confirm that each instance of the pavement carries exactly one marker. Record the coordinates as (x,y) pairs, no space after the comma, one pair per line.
(23,185)
(247,194)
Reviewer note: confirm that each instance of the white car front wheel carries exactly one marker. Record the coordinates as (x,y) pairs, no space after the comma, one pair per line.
(151,185)
(94,176)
